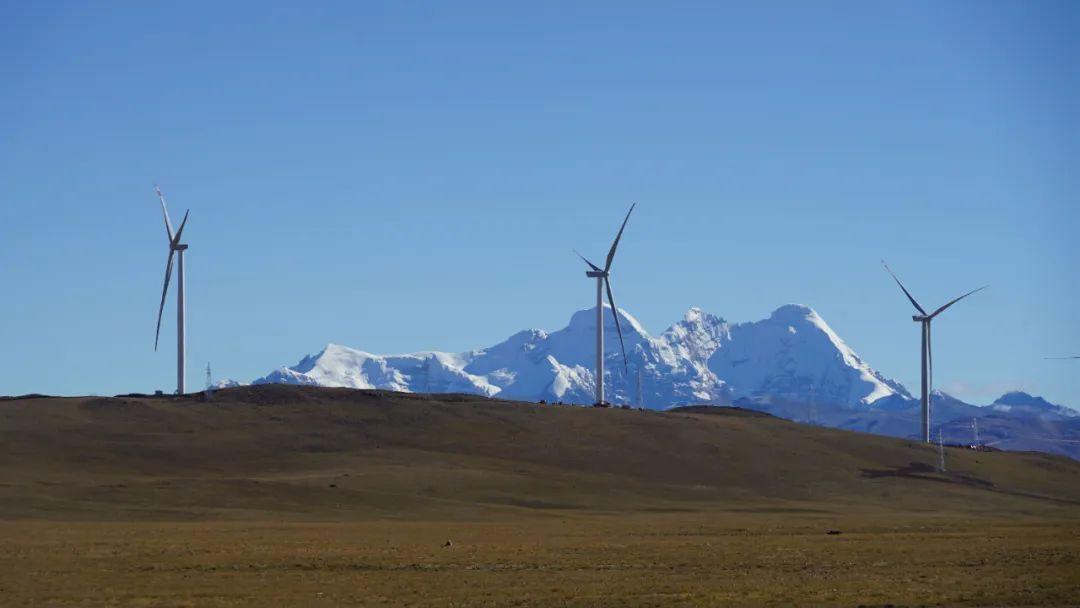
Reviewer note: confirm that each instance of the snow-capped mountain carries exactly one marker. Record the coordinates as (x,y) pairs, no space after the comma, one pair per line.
(336,365)
(794,354)
(700,359)
(225,383)
(530,365)
(791,364)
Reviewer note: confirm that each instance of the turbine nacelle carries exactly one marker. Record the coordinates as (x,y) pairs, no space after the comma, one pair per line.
(597,274)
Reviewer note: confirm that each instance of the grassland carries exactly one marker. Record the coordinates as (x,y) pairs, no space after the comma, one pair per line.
(302,496)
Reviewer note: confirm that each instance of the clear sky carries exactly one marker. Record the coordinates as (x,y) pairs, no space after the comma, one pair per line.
(412,175)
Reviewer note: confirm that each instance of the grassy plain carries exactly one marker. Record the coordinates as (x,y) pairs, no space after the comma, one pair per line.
(685,559)
(300,496)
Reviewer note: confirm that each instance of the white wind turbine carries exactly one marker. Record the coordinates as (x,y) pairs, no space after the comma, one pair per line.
(927,355)
(177,248)
(603,281)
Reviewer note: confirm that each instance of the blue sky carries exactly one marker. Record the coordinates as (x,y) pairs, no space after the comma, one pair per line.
(407,176)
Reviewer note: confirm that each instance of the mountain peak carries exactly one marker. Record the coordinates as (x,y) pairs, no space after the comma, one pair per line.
(586,319)
(795,311)
(333,351)
(697,336)
(1019,401)
(794,354)
(696,316)
(1017,398)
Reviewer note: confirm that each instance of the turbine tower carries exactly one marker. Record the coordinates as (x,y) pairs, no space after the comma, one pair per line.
(603,281)
(175,248)
(927,358)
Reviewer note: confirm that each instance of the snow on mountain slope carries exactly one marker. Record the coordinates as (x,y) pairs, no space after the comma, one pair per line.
(700,359)
(336,365)
(794,354)
(697,336)
(558,366)
(530,365)
(225,383)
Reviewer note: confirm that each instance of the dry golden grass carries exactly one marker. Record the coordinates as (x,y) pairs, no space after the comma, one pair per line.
(629,560)
(299,496)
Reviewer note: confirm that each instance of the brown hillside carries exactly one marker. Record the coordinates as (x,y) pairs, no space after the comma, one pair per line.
(315,453)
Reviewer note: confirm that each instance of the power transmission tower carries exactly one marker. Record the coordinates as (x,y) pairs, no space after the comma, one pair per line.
(640,392)
(941,450)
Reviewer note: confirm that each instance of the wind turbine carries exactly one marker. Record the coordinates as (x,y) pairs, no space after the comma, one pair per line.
(603,280)
(177,248)
(927,357)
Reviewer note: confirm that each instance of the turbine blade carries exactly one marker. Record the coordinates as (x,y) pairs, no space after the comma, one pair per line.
(164,291)
(906,292)
(942,309)
(591,265)
(165,212)
(1073,357)
(611,253)
(618,327)
(176,239)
